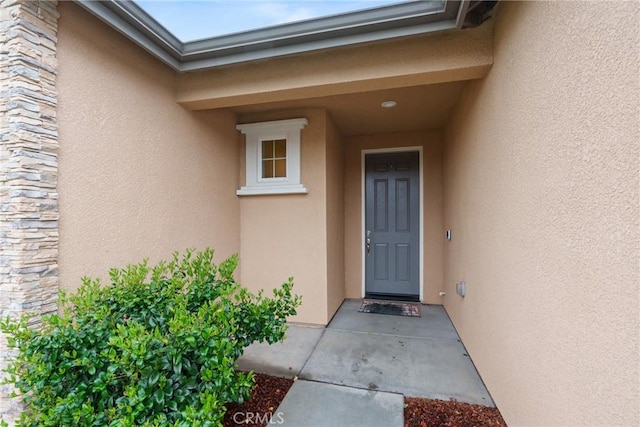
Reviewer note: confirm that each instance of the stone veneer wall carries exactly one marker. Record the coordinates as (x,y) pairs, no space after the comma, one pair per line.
(28,167)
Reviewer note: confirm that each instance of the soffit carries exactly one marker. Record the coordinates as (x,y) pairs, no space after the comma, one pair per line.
(418,108)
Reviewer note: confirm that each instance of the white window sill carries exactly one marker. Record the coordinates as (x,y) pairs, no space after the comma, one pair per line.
(272,189)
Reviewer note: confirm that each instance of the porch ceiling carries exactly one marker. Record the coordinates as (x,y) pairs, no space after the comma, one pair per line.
(424,75)
(418,108)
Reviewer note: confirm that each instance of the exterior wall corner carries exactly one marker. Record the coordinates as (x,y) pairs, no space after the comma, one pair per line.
(28,169)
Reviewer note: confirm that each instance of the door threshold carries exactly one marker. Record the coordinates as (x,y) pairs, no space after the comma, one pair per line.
(393,297)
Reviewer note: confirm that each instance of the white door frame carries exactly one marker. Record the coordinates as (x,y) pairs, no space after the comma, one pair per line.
(363,153)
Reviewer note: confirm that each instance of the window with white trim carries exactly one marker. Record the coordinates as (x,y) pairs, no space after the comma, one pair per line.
(273,157)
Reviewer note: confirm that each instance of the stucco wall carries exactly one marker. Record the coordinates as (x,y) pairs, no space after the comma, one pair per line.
(139,175)
(335,218)
(541,192)
(427,59)
(432,193)
(285,235)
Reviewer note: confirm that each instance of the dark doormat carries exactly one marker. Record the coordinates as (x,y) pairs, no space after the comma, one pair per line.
(394,308)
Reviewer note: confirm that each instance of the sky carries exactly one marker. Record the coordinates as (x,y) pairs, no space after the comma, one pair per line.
(196,19)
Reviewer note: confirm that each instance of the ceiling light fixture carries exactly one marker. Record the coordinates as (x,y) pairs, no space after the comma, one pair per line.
(388,104)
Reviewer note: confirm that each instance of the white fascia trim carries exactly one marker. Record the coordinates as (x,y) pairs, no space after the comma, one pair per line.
(274,126)
(264,191)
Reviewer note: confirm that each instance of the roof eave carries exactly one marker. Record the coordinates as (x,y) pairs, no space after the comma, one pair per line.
(403,20)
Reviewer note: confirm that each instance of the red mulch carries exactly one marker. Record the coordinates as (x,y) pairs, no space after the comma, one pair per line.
(270,391)
(265,399)
(428,413)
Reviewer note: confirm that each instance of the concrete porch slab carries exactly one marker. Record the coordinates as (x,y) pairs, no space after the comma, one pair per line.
(416,367)
(313,404)
(284,359)
(434,322)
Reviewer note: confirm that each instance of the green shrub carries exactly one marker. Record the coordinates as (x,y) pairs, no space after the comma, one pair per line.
(158,347)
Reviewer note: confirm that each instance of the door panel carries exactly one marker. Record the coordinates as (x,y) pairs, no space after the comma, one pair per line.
(402,262)
(381,205)
(402,205)
(381,261)
(392,225)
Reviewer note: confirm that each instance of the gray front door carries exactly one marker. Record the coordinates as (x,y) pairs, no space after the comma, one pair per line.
(392,239)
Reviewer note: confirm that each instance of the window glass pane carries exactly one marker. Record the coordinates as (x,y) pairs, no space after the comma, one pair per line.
(267,168)
(274,158)
(280,148)
(280,168)
(267,149)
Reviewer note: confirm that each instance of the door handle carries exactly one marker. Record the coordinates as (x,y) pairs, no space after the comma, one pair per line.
(368,242)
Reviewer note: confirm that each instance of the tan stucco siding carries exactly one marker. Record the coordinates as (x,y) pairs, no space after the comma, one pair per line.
(139,175)
(429,59)
(541,192)
(335,218)
(286,235)
(431,143)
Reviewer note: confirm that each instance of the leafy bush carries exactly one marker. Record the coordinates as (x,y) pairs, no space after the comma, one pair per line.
(157,347)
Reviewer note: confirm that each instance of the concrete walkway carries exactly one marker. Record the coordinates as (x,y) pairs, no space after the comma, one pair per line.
(355,371)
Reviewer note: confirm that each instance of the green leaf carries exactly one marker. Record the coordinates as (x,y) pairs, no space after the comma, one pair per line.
(159,396)
(153,378)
